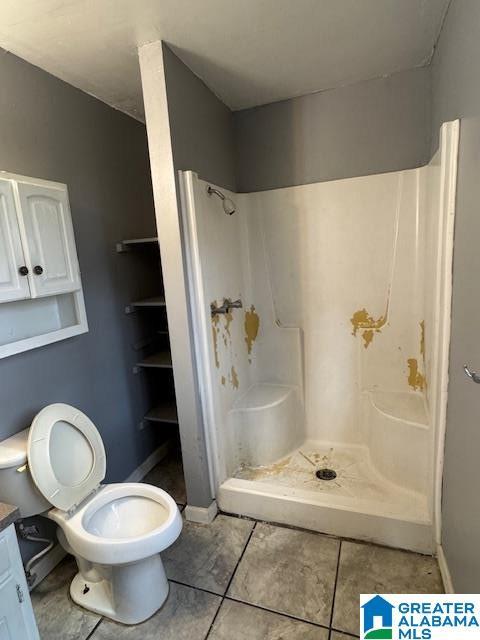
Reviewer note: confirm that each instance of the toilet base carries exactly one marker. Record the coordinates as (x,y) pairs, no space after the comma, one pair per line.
(129,593)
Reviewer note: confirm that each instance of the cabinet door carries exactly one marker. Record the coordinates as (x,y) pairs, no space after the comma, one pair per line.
(48,237)
(12,624)
(13,286)
(17,621)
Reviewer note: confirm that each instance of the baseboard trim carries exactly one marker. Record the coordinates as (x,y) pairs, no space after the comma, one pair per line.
(202,515)
(147,465)
(47,564)
(444,570)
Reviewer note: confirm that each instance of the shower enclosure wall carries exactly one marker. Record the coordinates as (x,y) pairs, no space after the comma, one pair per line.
(338,358)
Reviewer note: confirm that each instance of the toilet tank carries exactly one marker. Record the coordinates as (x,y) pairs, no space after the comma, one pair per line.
(16,483)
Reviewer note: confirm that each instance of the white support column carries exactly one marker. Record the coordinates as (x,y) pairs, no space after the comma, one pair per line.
(199,492)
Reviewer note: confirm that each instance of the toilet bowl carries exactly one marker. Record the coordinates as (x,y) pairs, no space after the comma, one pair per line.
(116,532)
(116,537)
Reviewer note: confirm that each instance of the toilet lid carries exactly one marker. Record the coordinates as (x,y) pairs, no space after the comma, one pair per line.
(66,455)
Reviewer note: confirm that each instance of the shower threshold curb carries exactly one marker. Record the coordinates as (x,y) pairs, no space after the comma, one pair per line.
(245,498)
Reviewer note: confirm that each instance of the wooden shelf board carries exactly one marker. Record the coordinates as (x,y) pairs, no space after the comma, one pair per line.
(140,240)
(166,412)
(155,301)
(126,245)
(162,360)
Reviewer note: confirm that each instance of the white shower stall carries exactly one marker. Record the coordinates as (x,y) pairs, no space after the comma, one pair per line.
(336,365)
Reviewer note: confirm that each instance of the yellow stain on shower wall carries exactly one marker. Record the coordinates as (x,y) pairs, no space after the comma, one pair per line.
(222,330)
(228,322)
(233,378)
(422,339)
(252,325)
(367,336)
(361,319)
(215,332)
(415,379)
(225,335)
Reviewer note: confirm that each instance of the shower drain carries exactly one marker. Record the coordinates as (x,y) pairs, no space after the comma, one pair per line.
(326,474)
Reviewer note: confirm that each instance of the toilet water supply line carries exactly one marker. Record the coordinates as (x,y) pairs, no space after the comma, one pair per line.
(30,533)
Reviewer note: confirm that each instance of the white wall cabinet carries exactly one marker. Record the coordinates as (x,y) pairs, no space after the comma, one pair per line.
(13,286)
(49,244)
(38,260)
(17,621)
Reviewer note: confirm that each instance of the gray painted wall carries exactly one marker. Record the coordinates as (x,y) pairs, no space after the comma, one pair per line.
(50,130)
(369,127)
(201,125)
(456,93)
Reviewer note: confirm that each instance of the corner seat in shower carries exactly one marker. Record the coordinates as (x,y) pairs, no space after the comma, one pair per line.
(399,437)
(267,423)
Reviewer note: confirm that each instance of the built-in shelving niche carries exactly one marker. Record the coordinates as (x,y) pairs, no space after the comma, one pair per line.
(34,318)
(154,361)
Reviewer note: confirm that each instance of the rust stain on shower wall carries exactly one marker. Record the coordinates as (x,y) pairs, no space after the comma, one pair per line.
(415,379)
(223,380)
(252,325)
(363,321)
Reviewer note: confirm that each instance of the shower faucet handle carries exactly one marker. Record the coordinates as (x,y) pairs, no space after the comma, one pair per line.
(217,310)
(226,306)
(473,375)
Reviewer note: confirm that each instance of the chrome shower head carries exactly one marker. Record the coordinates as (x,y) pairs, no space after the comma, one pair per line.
(228,205)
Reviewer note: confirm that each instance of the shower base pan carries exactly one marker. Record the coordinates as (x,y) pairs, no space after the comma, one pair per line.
(358,503)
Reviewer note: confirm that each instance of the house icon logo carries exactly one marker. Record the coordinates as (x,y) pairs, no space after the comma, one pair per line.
(377,619)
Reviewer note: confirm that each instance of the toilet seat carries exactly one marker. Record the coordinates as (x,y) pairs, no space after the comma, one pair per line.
(108,550)
(66,455)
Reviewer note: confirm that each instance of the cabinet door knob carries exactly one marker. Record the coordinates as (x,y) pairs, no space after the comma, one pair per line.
(38,270)
(23,271)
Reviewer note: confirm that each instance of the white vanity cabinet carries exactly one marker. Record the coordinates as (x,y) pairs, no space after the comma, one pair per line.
(41,299)
(17,621)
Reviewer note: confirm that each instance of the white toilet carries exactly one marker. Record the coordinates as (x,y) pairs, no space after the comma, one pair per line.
(116,532)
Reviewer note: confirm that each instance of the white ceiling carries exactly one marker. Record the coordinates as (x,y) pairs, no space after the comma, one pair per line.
(249,52)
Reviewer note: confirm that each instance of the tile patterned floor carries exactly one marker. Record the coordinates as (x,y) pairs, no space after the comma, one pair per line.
(187,613)
(237,579)
(206,557)
(288,571)
(372,569)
